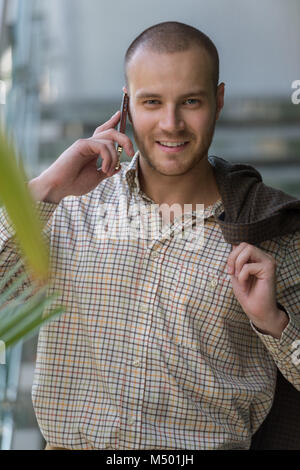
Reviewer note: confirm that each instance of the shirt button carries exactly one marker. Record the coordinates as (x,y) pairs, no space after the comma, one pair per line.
(213,283)
(131,420)
(137,362)
(155,255)
(144,308)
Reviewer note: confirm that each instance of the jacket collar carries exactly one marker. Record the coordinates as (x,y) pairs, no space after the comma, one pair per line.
(253,211)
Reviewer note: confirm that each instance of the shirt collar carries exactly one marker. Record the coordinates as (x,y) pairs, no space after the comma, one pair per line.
(131,175)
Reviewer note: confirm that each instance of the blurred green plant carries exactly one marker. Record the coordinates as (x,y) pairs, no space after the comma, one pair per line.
(22,314)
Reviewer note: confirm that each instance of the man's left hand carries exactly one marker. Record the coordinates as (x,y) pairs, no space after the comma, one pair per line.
(253,278)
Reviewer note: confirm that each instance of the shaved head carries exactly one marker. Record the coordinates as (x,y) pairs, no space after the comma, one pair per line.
(171,37)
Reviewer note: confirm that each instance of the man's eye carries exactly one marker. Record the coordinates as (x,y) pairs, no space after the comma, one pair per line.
(192,101)
(151,102)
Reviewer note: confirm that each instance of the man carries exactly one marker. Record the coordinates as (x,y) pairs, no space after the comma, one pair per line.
(161,346)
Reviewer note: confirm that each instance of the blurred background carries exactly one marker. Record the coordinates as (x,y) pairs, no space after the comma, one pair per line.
(61,76)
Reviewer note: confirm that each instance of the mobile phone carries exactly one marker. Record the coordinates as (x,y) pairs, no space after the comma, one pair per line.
(122,123)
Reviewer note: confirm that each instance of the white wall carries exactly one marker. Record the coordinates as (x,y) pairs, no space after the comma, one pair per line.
(258,42)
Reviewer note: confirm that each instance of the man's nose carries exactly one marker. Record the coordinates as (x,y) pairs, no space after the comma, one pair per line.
(171,120)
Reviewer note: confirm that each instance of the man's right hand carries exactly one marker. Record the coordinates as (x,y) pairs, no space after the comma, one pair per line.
(75,171)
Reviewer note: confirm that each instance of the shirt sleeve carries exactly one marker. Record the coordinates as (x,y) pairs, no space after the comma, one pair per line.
(44,211)
(9,252)
(286,350)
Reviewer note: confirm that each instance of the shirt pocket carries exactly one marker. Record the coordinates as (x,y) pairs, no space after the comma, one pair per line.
(199,301)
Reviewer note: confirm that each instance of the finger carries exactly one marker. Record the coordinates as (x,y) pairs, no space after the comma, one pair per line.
(112,122)
(243,281)
(110,159)
(107,175)
(254,269)
(114,159)
(253,255)
(233,255)
(88,148)
(104,149)
(242,258)
(121,139)
(107,157)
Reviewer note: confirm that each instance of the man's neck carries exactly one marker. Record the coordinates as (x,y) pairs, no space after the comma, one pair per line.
(196,187)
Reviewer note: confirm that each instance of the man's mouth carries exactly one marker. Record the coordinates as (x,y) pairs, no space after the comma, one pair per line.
(172,146)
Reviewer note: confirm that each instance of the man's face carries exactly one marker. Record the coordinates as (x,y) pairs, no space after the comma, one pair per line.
(173,108)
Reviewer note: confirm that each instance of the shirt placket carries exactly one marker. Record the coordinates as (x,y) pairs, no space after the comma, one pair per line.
(132,406)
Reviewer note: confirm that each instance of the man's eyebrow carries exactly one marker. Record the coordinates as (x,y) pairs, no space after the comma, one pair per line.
(143,94)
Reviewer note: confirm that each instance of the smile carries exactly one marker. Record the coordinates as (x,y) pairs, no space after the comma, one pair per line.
(172,146)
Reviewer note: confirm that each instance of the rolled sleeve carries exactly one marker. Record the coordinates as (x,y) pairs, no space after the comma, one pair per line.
(283,349)
(44,212)
(280,347)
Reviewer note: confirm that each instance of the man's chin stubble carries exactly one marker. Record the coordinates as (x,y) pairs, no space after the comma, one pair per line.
(180,172)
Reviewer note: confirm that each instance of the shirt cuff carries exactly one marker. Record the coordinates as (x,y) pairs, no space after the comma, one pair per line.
(281,346)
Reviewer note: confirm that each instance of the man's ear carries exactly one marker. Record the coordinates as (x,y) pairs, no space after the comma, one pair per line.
(220,98)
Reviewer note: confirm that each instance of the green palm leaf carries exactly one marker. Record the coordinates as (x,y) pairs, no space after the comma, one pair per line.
(24,314)
(20,208)
(21,314)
